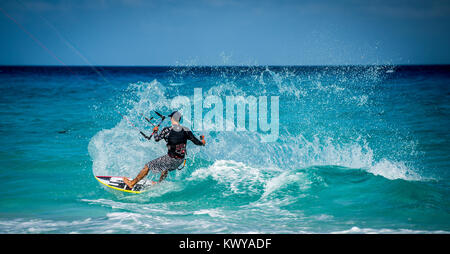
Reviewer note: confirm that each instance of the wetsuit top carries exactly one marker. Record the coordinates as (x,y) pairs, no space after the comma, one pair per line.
(176,137)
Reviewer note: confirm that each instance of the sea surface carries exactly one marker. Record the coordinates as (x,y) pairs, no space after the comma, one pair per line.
(360,149)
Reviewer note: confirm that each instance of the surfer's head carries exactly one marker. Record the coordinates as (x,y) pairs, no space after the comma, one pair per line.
(175,117)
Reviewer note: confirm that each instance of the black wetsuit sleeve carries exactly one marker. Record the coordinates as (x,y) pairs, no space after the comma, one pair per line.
(162,135)
(192,138)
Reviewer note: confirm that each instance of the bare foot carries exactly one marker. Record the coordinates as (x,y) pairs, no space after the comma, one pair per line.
(128,182)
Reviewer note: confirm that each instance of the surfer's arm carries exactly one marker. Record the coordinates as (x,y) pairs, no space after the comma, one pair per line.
(194,140)
(162,135)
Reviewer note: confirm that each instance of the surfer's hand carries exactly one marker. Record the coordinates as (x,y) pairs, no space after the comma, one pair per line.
(203,139)
(155,129)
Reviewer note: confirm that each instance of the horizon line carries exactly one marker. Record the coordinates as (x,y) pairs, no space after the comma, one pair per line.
(203,66)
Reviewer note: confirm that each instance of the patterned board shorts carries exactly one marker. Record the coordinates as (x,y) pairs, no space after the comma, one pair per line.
(164,162)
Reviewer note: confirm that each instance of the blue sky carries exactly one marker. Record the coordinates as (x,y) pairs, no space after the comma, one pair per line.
(223,32)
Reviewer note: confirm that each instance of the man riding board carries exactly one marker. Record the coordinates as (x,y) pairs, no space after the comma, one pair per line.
(176,137)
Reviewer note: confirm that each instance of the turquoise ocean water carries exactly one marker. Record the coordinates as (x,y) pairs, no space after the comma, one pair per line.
(361,149)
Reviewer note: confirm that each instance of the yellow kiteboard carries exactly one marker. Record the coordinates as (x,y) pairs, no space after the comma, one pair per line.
(117,183)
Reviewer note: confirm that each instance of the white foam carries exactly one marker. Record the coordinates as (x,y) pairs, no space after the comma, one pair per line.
(215,213)
(239,177)
(286,178)
(393,170)
(356,230)
(176,84)
(355,154)
(37,226)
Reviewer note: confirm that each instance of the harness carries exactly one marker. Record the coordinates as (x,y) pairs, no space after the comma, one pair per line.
(184,164)
(177,151)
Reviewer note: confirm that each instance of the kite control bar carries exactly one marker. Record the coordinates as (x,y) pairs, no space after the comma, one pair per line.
(149,120)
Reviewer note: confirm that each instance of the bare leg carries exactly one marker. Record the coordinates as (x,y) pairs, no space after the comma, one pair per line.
(163,175)
(139,177)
